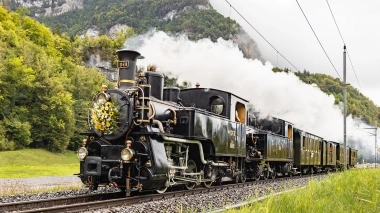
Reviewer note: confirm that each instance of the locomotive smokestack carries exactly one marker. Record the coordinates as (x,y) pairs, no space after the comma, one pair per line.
(127,68)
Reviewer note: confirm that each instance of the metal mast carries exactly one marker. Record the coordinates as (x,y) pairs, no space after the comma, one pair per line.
(344,108)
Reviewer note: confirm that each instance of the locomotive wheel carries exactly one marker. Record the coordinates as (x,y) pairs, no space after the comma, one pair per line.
(218,181)
(207,184)
(207,171)
(191,168)
(162,190)
(243,178)
(266,174)
(256,177)
(273,173)
(237,178)
(311,171)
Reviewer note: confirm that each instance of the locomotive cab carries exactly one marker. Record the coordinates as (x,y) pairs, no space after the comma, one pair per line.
(219,102)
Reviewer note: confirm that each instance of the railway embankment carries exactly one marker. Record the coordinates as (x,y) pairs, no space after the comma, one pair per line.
(356,190)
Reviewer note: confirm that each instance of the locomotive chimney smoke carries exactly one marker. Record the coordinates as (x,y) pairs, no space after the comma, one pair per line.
(127,68)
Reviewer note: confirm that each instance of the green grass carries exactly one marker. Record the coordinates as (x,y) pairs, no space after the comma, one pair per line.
(351,191)
(37,162)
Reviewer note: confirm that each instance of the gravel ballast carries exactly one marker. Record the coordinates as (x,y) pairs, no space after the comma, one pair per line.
(213,200)
(198,203)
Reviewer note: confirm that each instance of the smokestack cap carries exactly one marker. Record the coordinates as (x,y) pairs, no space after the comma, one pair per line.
(124,50)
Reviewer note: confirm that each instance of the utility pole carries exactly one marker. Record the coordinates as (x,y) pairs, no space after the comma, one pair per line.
(344,108)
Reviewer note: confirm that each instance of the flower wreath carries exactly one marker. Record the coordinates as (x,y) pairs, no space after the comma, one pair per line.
(105,116)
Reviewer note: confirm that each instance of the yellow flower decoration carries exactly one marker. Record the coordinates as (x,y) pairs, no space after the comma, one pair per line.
(104,117)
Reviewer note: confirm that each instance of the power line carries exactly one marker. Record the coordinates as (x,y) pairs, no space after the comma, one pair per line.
(370,133)
(318,39)
(344,43)
(335,21)
(261,35)
(354,71)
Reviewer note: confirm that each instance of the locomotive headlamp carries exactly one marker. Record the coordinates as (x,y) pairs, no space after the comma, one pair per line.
(102,98)
(127,154)
(82,153)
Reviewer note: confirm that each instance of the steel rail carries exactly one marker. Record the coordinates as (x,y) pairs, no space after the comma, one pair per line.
(36,204)
(97,201)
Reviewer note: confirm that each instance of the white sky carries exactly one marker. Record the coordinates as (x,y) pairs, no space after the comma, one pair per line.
(282,23)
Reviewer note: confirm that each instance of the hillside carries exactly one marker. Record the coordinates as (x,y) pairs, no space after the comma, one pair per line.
(196,18)
(358,105)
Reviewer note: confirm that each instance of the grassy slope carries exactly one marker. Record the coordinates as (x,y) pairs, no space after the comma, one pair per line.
(352,191)
(37,162)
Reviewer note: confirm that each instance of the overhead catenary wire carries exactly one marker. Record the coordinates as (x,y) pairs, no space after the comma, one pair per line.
(318,40)
(370,133)
(260,34)
(336,24)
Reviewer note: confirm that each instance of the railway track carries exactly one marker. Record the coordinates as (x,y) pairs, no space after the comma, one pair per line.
(98,201)
(38,204)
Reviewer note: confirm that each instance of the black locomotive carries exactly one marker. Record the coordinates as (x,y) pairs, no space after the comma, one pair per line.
(145,137)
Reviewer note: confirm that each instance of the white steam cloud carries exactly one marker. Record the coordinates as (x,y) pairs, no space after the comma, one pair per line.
(221,65)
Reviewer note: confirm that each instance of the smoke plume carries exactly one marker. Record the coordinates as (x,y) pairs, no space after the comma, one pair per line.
(221,65)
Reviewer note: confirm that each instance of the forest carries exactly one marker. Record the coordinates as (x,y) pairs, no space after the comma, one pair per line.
(43,87)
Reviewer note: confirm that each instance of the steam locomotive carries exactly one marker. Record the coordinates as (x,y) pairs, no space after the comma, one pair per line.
(144,137)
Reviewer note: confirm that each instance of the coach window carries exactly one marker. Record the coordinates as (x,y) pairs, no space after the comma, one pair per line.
(304,143)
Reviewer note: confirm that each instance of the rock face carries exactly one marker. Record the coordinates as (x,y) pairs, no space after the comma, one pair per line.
(50,7)
(247,45)
(102,66)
